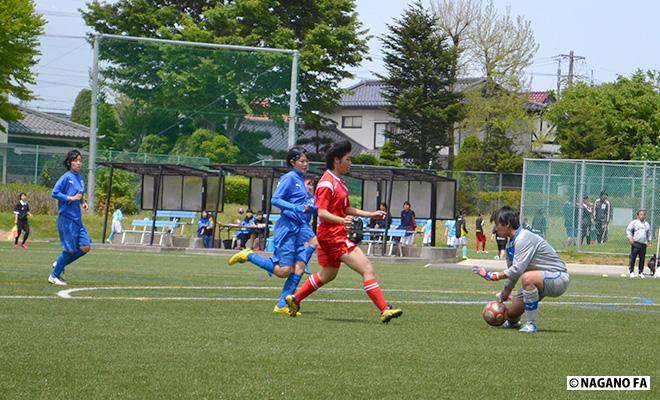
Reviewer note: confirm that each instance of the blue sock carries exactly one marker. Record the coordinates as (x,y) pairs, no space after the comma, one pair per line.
(112,235)
(262,262)
(465,251)
(309,251)
(289,287)
(62,261)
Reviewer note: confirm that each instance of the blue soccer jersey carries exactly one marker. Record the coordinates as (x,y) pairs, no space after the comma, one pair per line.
(69,184)
(291,196)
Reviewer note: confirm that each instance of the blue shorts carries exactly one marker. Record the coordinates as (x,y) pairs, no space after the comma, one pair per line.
(73,234)
(289,240)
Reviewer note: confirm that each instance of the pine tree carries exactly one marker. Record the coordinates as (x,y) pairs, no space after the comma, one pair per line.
(420,74)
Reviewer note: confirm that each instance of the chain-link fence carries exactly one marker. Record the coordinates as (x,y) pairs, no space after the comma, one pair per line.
(588,204)
(42,165)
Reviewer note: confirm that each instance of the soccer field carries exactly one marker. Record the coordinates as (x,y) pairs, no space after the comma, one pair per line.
(172,325)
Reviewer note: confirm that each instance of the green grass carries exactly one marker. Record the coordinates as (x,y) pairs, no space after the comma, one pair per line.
(112,347)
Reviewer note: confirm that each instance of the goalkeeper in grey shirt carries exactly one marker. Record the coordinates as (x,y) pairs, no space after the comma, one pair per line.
(530,257)
(639,236)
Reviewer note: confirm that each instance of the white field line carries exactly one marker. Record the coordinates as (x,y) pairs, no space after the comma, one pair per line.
(67,294)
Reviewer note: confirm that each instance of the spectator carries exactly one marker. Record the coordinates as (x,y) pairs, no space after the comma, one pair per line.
(260,230)
(117,218)
(247,234)
(450,232)
(21,214)
(500,239)
(408,223)
(539,223)
(480,236)
(602,216)
(570,216)
(382,223)
(461,233)
(205,229)
(587,220)
(639,236)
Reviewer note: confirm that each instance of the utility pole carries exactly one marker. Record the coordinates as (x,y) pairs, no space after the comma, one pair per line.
(558,76)
(571,60)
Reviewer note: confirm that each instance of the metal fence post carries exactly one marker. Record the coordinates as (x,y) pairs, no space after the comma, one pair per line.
(580,212)
(523,189)
(36,163)
(642,200)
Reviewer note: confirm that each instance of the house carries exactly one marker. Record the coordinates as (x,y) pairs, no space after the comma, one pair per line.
(28,143)
(362,116)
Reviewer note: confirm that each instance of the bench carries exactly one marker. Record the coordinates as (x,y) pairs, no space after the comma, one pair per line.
(143,227)
(177,216)
(273,218)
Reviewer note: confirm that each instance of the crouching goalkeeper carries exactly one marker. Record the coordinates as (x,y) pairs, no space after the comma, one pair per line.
(530,257)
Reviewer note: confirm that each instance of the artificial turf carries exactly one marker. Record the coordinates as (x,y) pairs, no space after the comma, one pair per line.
(205,330)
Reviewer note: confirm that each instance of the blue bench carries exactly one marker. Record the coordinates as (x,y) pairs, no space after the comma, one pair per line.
(178,216)
(143,227)
(273,218)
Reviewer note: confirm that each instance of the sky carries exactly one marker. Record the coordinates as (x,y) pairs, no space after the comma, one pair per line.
(614,37)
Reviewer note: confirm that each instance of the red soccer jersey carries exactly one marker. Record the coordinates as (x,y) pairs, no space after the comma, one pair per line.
(332,195)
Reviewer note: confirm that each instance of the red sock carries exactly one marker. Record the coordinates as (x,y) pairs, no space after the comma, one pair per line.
(310,286)
(373,291)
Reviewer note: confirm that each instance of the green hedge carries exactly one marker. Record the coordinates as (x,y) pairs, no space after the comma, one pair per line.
(237,190)
(487,202)
(38,197)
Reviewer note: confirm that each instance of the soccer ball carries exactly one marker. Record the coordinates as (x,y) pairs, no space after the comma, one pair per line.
(494,313)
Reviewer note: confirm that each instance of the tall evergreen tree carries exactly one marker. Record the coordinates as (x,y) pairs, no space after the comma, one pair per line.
(420,74)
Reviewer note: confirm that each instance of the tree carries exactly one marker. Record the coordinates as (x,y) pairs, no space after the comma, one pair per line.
(492,155)
(205,143)
(388,155)
(613,121)
(499,48)
(455,18)
(20,27)
(215,89)
(82,107)
(419,64)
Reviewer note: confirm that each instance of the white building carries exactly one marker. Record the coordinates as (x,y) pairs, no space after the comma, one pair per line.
(362,116)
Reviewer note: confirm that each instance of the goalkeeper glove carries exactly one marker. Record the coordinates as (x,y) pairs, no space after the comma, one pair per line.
(484,273)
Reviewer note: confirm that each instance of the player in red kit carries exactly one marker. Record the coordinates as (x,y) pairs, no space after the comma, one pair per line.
(335,214)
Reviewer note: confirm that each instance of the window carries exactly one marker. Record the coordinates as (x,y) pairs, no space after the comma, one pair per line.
(351,122)
(379,133)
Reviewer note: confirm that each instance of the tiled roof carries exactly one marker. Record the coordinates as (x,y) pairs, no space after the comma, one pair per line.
(41,124)
(540,97)
(368,94)
(279,138)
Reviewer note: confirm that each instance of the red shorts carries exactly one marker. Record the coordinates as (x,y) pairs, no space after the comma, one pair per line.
(329,253)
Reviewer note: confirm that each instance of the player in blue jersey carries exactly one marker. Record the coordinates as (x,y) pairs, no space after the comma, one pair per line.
(69,192)
(292,231)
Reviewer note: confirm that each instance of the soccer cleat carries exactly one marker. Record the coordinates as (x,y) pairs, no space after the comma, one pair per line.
(240,257)
(496,258)
(16,246)
(24,246)
(641,275)
(390,314)
(528,328)
(511,324)
(283,310)
(294,309)
(62,274)
(56,281)
(632,275)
